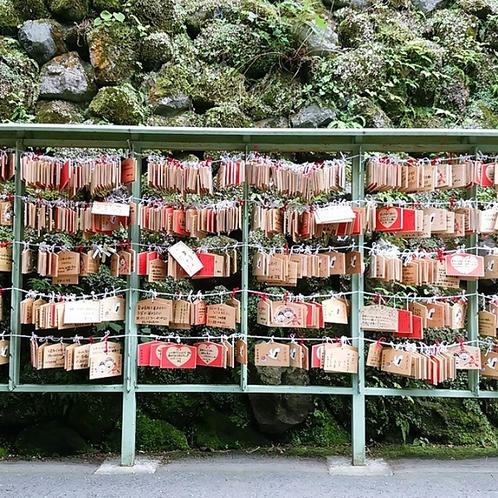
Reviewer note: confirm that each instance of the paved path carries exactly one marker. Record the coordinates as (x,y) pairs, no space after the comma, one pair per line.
(248,476)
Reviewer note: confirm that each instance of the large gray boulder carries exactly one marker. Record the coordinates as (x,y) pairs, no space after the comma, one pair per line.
(275,413)
(67,77)
(172,106)
(313,116)
(42,39)
(427,6)
(316,40)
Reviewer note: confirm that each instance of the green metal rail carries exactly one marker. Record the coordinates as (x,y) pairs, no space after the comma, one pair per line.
(136,139)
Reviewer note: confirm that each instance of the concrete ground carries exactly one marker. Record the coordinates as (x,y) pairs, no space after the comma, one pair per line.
(244,476)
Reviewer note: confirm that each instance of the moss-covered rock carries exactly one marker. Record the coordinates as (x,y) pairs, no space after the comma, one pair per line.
(184,52)
(198,13)
(491,32)
(479,114)
(277,94)
(109,5)
(369,113)
(70,10)
(118,105)
(236,45)
(19,79)
(215,430)
(217,85)
(114,53)
(352,73)
(378,24)
(158,435)
(414,73)
(393,27)
(355,28)
(9,18)
(453,93)
(50,440)
(455,30)
(155,50)
(58,112)
(185,119)
(479,8)
(319,429)
(174,82)
(160,15)
(453,421)
(34,9)
(207,86)
(226,115)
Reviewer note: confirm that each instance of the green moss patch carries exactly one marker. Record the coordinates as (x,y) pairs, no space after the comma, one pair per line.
(118,105)
(158,435)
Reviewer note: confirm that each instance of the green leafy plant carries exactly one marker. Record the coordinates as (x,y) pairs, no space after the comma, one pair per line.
(420,441)
(107,18)
(19,113)
(143,29)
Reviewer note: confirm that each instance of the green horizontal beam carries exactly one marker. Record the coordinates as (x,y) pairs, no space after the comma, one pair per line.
(68,388)
(430,393)
(235,388)
(251,388)
(264,139)
(300,390)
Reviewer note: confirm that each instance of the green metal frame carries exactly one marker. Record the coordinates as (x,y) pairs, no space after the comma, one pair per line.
(354,142)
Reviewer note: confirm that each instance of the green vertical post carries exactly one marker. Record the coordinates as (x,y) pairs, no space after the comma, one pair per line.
(473,301)
(245,275)
(16,296)
(358,380)
(129,415)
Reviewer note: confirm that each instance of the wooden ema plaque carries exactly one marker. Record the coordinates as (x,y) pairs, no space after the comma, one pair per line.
(340,358)
(210,354)
(272,354)
(378,317)
(105,365)
(154,312)
(179,356)
(465,266)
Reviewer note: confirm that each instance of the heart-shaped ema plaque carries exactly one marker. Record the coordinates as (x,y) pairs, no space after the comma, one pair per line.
(489,172)
(208,353)
(178,355)
(388,217)
(464,264)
